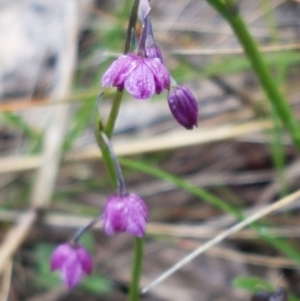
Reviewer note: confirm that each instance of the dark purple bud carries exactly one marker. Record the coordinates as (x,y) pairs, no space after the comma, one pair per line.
(183,106)
(72,261)
(125,214)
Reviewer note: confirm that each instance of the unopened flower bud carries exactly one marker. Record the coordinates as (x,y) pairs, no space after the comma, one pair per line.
(72,261)
(183,106)
(125,214)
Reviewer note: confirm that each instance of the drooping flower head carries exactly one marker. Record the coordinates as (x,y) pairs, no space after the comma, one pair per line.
(183,106)
(141,73)
(126,213)
(72,261)
(140,76)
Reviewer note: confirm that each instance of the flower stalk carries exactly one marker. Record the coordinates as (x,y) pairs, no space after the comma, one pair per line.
(108,129)
(118,182)
(134,291)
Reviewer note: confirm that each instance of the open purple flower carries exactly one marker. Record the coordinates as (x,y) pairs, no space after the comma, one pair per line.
(72,262)
(125,214)
(139,75)
(183,106)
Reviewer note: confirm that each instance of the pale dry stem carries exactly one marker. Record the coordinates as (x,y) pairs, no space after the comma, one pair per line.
(158,143)
(6,281)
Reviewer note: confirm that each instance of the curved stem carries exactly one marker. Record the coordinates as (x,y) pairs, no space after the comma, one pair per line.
(82,230)
(274,96)
(104,150)
(134,291)
(112,118)
(117,168)
(131,25)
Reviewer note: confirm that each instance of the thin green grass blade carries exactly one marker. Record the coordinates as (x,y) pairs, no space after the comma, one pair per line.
(80,121)
(251,284)
(188,187)
(34,137)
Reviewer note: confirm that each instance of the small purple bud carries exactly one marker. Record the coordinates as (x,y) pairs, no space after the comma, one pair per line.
(125,214)
(140,76)
(183,106)
(72,262)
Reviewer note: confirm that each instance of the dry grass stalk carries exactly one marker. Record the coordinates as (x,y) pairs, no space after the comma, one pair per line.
(162,142)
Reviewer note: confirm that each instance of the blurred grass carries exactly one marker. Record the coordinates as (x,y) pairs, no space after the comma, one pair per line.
(82,119)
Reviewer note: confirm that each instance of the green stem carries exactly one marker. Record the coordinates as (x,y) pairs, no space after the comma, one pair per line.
(136,270)
(276,99)
(108,161)
(105,152)
(112,118)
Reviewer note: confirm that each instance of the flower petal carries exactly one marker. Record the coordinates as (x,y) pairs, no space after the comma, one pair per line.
(125,213)
(59,256)
(71,272)
(118,71)
(161,74)
(140,82)
(85,260)
(113,217)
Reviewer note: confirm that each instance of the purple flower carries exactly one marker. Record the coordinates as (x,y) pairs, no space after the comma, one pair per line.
(72,262)
(125,214)
(183,106)
(141,76)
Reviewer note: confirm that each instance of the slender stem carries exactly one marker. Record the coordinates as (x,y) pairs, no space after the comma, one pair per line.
(276,99)
(120,180)
(134,291)
(109,162)
(105,151)
(138,242)
(82,230)
(112,118)
(131,25)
